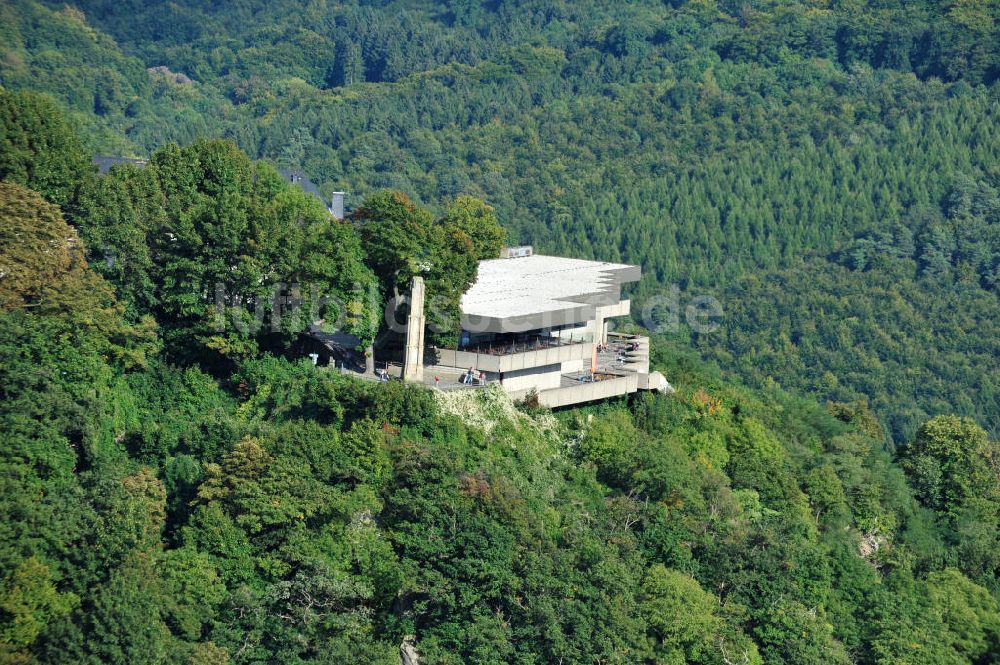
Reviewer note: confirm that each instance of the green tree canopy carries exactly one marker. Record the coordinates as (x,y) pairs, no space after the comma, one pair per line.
(403,240)
(951,461)
(224,253)
(39,148)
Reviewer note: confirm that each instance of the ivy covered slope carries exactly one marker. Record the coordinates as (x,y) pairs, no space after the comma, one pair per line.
(171,495)
(730,147)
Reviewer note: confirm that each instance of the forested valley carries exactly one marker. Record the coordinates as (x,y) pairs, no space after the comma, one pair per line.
(823,487)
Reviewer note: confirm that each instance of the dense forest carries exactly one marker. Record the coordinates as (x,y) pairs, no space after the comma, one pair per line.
(822,488)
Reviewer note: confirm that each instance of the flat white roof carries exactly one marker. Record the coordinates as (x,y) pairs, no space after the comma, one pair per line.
(541,284)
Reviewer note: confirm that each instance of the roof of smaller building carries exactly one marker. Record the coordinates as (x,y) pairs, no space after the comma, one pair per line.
(105,162)
(298,177)
(550,290)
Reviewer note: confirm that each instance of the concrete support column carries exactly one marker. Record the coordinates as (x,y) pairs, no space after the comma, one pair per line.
(599,325)
(413,361)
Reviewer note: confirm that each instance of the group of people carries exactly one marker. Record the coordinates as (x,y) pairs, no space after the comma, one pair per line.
(621,347)
(471,377)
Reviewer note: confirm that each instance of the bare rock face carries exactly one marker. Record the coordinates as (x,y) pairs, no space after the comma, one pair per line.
(869,546)
(164,72)
(408,651)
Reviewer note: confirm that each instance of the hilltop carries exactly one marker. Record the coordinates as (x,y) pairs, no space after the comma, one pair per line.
(730,149)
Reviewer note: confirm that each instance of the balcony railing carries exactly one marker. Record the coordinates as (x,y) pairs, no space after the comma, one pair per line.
(520,345)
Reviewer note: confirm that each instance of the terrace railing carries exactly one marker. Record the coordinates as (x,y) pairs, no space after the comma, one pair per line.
(522,345)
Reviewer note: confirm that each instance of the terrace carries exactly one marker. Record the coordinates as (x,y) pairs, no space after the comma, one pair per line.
(512,352)
(510,344)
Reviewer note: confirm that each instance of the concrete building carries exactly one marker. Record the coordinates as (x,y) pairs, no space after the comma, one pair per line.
(540,323)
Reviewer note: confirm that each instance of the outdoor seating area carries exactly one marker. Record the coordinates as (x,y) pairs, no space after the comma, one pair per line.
(587,376)
(507,345)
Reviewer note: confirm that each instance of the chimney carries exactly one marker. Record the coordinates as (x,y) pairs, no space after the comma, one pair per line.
(337,205)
